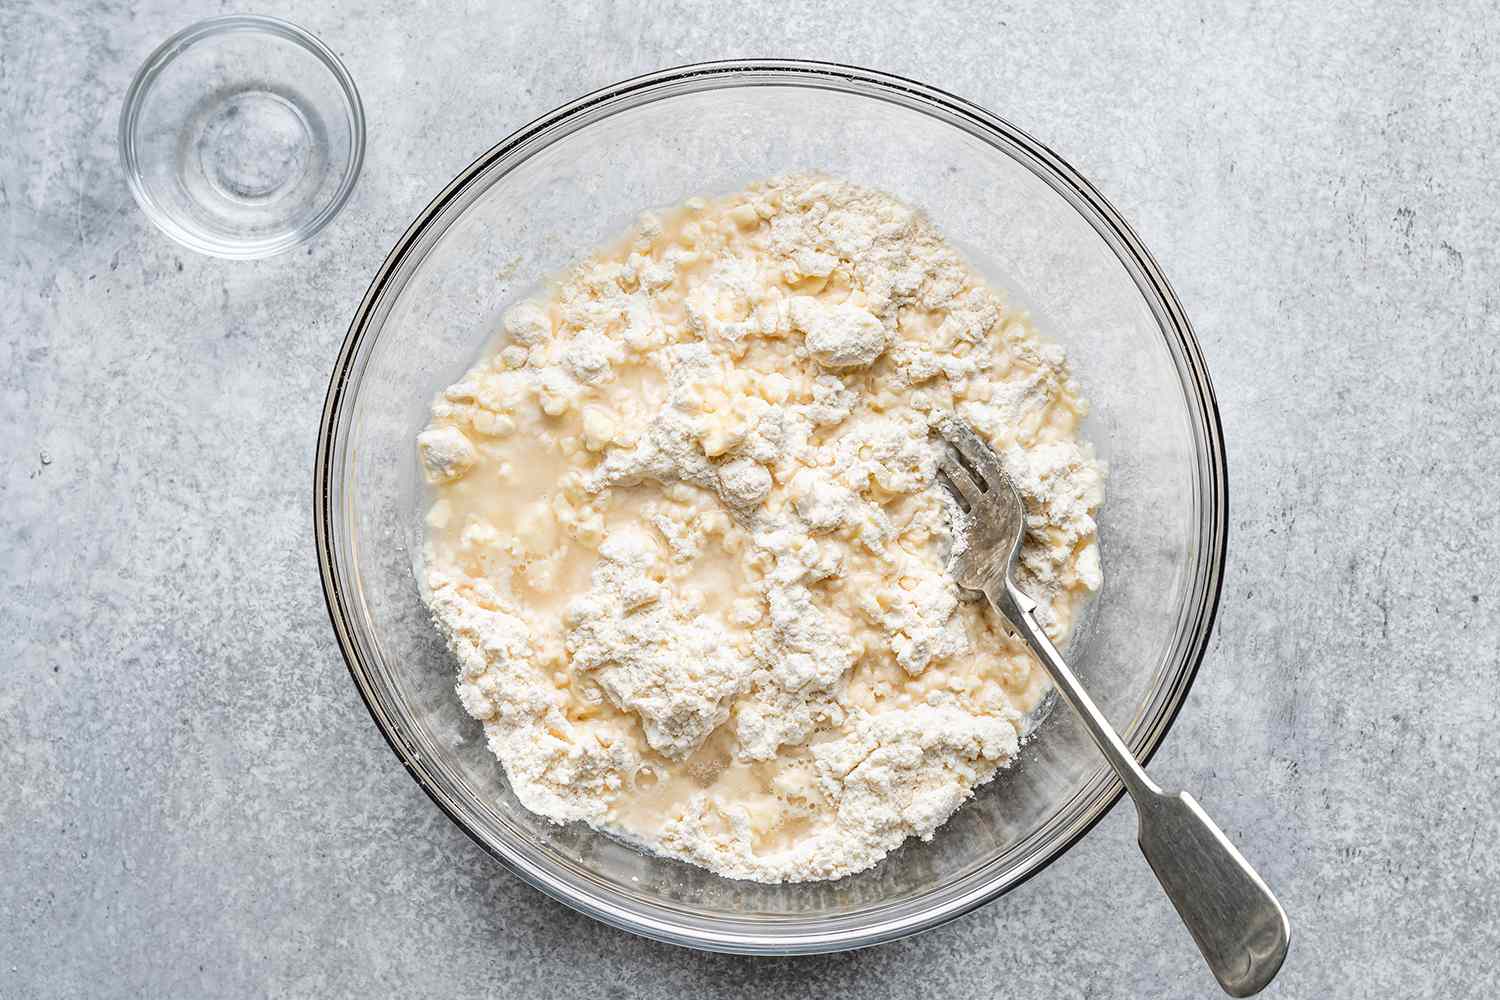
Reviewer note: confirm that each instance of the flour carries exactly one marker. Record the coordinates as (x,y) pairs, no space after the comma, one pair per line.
(687,547)
(895,775)
(675,669)
(744,483)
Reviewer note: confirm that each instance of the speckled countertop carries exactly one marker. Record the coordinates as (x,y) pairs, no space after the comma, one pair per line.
(193,801)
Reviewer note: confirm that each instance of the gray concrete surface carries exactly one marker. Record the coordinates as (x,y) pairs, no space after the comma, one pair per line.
(193,801)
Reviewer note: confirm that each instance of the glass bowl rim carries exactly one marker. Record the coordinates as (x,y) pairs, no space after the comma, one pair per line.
(664,921)
(145,78)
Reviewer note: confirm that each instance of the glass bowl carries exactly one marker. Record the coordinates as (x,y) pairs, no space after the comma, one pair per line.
(572,180)
(242,136)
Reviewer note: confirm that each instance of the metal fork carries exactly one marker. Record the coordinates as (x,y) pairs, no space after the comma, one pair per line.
(1238,925)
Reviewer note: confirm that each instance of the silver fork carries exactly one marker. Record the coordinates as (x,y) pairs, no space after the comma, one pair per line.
(1238,925)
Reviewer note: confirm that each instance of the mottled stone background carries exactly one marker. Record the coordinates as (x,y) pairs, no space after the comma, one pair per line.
(193,801)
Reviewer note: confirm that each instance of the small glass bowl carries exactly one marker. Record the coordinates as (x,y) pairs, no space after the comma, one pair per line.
(577,178)
(242,136)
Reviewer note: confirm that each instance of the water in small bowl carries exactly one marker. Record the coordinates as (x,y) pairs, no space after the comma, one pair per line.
(242,136)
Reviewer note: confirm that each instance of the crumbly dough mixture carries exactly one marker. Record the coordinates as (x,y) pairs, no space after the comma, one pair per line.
(686,544)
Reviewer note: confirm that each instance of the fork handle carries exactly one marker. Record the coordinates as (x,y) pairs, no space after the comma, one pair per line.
(1238,925)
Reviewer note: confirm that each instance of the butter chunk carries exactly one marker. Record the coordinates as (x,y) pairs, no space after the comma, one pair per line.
(446,454)
(840,336)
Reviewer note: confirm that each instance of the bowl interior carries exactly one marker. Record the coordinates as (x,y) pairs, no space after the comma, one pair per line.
(572,183)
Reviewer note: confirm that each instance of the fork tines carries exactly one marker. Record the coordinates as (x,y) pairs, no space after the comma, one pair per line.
(970,467)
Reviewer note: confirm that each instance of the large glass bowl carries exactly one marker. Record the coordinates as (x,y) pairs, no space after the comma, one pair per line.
(575,179)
